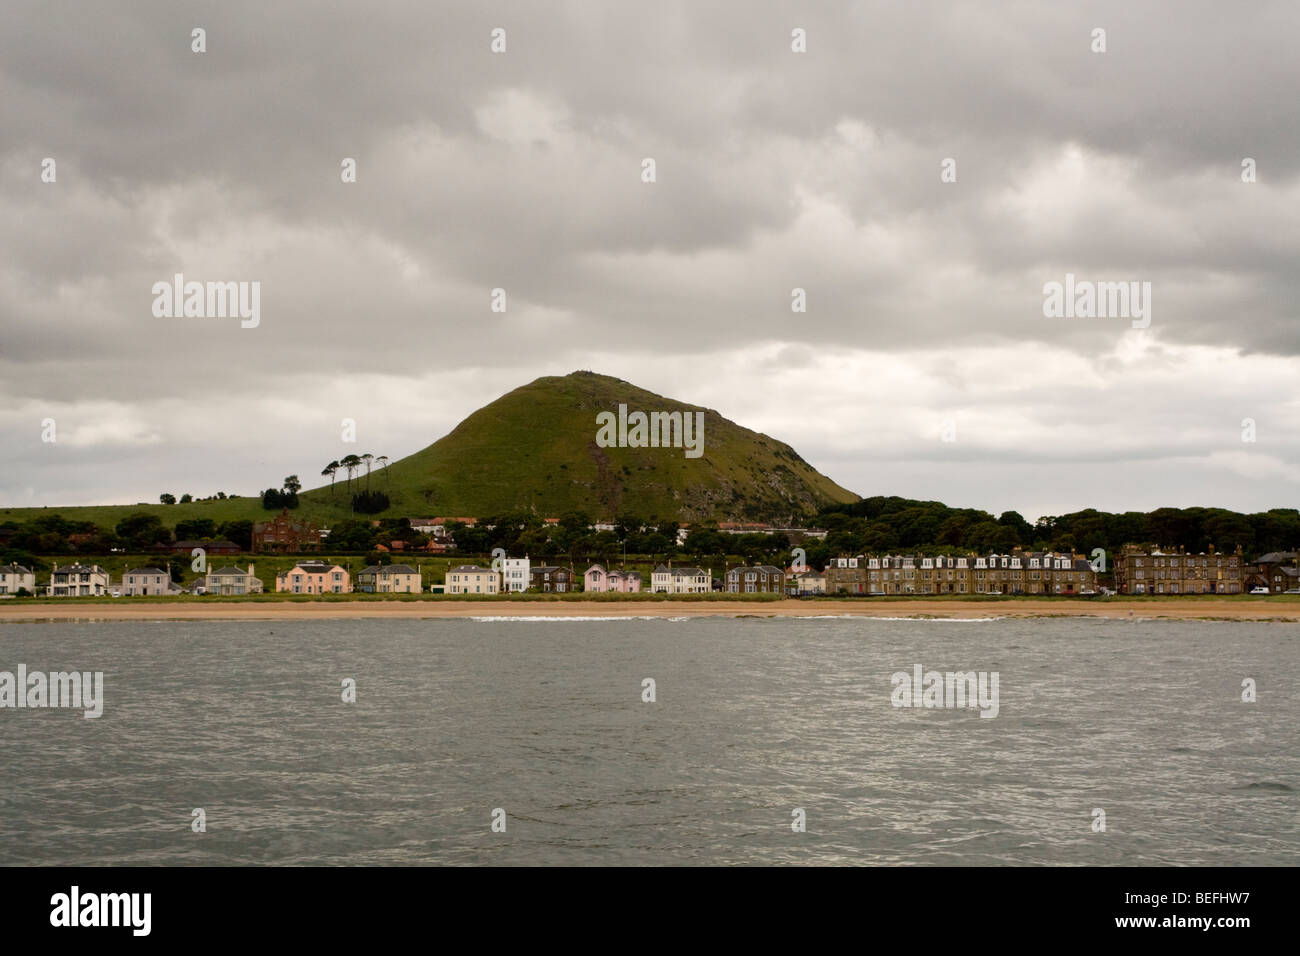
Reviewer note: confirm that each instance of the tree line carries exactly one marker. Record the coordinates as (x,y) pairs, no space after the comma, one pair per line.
(892,524)
(877,525)
(367,501)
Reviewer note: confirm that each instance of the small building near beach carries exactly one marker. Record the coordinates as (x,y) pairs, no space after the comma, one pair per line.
(760,579)
(389,579)
(549,577)
(230,580)
(78,580)
(472,579)
(598,579)
(14,577)
(314,577)
(139,582)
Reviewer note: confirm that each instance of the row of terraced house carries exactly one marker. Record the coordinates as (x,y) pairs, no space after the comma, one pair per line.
(1138,570)
(1148,570)
(516,575)
(1021,572)
(306,577)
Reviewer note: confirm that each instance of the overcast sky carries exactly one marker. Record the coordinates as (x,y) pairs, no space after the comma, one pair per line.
(775,170)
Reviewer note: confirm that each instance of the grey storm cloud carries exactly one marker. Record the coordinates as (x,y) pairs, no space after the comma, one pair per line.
(522,171)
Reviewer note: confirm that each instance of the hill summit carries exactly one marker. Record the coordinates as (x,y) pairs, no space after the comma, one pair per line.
(536,449)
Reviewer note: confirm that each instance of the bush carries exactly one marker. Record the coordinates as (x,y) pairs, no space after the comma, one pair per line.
(273,499)
(370,502)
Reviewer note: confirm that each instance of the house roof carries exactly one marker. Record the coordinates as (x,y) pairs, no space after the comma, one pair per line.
(146,571)
(1276,557)
(228,569)
(311,567)
(15,569)
(393,568)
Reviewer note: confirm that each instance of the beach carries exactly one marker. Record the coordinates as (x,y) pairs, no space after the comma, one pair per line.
(126,610)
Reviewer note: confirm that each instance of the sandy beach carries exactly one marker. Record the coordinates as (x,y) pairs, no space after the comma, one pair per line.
(1176,609)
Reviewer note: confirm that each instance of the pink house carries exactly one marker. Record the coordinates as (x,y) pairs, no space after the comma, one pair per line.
(598,579)
(314,577)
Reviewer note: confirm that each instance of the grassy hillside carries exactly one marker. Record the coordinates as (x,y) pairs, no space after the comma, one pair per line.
(107,516)
(534,449)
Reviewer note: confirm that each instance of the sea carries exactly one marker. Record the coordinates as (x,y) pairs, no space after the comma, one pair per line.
(691,741)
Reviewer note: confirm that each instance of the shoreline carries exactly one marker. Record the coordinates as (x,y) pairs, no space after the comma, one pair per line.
(1189,609)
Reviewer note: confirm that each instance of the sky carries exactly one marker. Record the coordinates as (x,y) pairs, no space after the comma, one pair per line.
(924,365)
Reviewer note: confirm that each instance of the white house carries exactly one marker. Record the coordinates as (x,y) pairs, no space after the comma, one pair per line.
(78,580)
(436,528)
(15,576)
(667,580)
(516,573)
(142,581)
